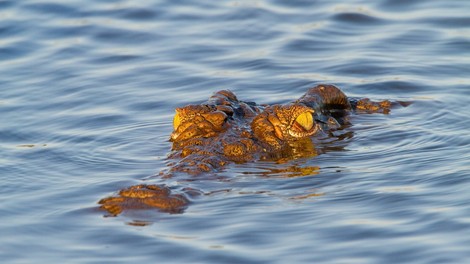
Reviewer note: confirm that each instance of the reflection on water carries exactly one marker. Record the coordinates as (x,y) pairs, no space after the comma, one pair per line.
(307,196)
(290,171)
(88,92)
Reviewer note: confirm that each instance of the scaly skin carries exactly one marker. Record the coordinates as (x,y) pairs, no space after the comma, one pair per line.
(225,130)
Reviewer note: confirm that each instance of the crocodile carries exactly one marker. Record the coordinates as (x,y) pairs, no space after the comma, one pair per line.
(226,130)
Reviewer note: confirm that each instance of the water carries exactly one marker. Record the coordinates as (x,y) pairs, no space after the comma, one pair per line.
(88,91)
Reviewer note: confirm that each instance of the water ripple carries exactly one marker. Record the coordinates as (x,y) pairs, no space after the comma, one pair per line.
(352,19)
(88,91)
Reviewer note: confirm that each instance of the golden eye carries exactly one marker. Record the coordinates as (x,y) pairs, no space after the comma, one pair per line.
(176,121)
(305,120)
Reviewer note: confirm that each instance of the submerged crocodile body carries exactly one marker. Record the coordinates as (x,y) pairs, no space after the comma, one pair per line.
(225,130)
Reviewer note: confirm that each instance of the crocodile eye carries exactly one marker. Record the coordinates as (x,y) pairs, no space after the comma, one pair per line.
(305,120)
(176,121)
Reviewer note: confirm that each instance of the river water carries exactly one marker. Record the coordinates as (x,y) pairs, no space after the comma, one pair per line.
(87,94)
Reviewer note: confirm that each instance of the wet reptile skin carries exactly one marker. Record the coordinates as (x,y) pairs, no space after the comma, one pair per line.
(225,130)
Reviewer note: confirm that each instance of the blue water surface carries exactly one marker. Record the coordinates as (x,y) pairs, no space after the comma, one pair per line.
(87,95)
